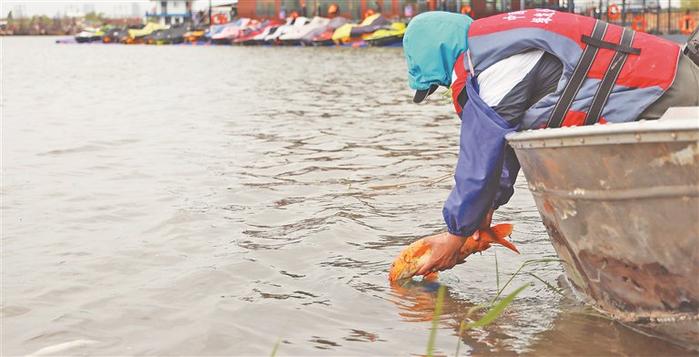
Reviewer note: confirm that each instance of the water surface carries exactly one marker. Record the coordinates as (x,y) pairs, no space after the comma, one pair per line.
(216,200)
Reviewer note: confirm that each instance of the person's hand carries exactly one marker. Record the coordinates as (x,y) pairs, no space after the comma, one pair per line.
(446,252)
(449,249)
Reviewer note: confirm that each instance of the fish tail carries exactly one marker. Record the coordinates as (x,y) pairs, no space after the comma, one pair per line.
(501,231)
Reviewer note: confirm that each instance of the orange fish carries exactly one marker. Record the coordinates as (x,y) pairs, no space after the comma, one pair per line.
(417,254)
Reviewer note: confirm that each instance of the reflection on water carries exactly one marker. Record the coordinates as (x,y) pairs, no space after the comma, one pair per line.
(577,330)
(215,200)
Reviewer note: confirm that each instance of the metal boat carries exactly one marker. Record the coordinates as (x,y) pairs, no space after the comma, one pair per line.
(620,203)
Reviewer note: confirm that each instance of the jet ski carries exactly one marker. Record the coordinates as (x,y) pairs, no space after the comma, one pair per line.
(215,30)
(353,32)
(194,36)
(256,36)
(89,35)
(115,35)
(320,34)
(139,35)
(230,33)
(154,36)
(258,39)
(324,39)
(294,35)
(387,37)
(254,28)
(273,37)
(176,35)
(171,36)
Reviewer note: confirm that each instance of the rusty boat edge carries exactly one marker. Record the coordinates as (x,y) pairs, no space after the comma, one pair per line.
(620,203)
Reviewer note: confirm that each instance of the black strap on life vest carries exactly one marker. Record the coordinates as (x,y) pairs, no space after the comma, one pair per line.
(622,47)
(576,79)
(610,77)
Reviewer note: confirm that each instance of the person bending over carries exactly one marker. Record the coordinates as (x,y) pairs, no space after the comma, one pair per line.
(532,69)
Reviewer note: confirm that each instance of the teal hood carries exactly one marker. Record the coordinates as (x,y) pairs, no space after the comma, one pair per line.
(432,43)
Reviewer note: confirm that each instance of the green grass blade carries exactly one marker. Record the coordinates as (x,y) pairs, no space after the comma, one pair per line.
(524,264)
(435,320)
(496,310)
(276,346)
(497,271)
(507,283)
(548,285)
(473,309)
(462,327)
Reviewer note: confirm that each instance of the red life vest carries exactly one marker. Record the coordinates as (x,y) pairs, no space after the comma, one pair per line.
(642,79)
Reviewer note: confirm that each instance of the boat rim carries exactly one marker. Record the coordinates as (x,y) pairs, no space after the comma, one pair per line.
(662,130)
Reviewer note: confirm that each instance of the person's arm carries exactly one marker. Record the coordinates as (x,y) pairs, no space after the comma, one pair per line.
(510,169)
(477,177)
(477,180)
(541,80)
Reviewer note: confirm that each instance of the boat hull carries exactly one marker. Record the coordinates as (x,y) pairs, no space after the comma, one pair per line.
(621,206)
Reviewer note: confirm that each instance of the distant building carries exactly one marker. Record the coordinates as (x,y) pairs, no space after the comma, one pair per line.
(170,12)
(357,9)
(640,4)
(136,10)
(88,8)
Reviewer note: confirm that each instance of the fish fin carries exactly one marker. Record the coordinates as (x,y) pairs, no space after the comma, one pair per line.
(501,231)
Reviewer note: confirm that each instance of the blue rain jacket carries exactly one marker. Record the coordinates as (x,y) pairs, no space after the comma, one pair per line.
(432,43)
(487,167)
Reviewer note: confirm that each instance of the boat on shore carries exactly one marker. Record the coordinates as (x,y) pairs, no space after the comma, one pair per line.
(170,36)
(194,36)
(374,30)
(354,32)
(620,203)
(137,36)
(232,30)
(392,36)
(115,35)
(291,25)
(89,35)
(309,38)
(294,36)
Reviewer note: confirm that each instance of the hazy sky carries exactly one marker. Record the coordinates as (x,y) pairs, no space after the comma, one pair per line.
(109,7)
